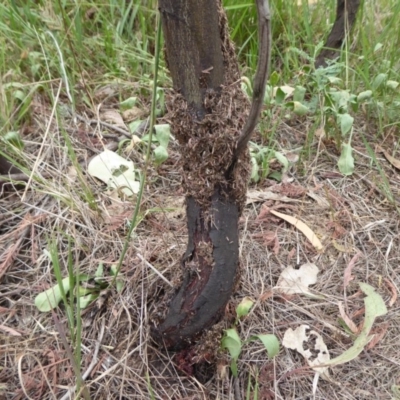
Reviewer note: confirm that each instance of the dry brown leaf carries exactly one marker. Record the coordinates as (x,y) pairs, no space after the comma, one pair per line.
(289,189)
(352,326)
(302,227)
(393,290)
(320,133)
(341,248)
(133,114)
(114,117)
(377,336)
(256,196)
(266,295)
(9,255)
(9,330)
(321,201)
(391,159)
(347,272)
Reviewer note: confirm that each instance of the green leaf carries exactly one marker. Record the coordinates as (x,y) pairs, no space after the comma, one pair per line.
(160,155)
(283,160)
(84,291)
(274,78)
(365,95)
(14,138)
(392,84)
(163,134)
(84,301)
(346,160)
(160,97)
(232,342)
(378,81)
(120,285)
(113,270)
(396,392)
(244,307)
(377,47)
(346,123)
(128,103)
(254,170)
(133,126)
(276,175)
(297,107)
(270,342)
(299,93)
(279,96)
(374,307)
(50,298)
(99,271)
(20,95)
(334,80)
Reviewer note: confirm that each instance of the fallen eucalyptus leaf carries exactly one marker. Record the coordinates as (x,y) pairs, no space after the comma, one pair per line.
(302,227)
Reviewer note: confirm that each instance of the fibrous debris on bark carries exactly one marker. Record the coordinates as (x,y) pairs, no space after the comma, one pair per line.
(207,112)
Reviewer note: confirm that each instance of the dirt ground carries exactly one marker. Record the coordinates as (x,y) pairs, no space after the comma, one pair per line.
(356,218)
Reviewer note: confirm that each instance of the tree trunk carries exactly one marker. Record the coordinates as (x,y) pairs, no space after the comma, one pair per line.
(207,113)
(346,13)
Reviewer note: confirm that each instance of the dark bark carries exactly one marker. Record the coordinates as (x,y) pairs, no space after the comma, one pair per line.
(6,168)
(346,13)
(209,277)
(207,115)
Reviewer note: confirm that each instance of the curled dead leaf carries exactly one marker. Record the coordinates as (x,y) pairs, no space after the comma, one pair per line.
(393,291)
(347,272)
(302,227)
(351,325)
(395,162)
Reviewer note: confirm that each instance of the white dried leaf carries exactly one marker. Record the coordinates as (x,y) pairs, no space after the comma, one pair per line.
(310,345)
(114,170)
(297,280)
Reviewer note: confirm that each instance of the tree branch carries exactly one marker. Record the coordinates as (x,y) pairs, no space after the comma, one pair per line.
(261,76)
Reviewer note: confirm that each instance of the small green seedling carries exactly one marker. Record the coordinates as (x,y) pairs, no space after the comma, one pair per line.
(260,158)
(161,139)
(232,342)
(88,290)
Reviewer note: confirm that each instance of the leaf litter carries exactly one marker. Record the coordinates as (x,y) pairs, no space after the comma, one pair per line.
(126,353)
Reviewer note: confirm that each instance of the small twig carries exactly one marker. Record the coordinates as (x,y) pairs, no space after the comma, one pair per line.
(140,129)
(154,269)
(260,78)
(8,179)
(106,124)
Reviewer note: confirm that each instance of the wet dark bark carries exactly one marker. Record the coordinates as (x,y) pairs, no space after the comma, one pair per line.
(346,13)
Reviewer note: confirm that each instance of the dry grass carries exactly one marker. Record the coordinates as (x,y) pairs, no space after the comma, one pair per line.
(119,359)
